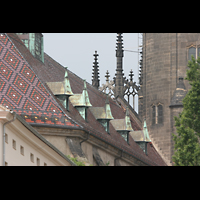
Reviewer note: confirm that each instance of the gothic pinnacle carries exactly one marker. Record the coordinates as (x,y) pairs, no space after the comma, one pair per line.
(119,51)
(119,80)
(95,77)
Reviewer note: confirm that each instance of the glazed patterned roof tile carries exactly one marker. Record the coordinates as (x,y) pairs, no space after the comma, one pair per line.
(22,91)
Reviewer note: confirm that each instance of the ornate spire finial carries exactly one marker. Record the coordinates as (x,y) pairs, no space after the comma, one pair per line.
(107,76)
(119,80)
(131,75)
(67,86)
(119,51)
(95,77)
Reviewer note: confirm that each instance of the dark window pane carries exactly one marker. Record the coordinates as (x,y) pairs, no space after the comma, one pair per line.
(160,114)
(153,115)
(198,52)
(192,51)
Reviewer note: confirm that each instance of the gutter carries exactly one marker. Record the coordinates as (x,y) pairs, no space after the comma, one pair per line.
(4,135)
(145,162)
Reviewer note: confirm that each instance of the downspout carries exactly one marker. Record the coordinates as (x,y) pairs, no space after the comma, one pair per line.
(119,157)
(85,139)
(5,135)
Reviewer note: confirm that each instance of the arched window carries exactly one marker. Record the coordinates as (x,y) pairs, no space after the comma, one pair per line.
(198,52)
(153,115)
(191,51)
(157,114)
(160,114)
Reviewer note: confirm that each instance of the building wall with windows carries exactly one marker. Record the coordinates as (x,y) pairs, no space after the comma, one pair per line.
(23,147)
(165,59)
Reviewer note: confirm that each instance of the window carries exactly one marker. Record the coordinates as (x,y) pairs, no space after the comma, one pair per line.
(191,51)
(198,51)
(32,157)
(160,114)
(22,150)
(38,162)
(14,144)
(153,115)
(157,114)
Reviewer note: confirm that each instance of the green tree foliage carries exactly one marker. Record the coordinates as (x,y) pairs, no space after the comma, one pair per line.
(187,146)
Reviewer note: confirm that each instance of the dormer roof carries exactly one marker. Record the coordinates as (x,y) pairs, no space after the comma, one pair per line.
(61,88)
(102,112)
(122,124)
(81,99)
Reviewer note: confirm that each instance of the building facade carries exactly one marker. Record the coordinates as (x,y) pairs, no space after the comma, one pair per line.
(23,146)
(164,63)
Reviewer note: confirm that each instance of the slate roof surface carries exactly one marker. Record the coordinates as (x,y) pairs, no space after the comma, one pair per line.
(52,71)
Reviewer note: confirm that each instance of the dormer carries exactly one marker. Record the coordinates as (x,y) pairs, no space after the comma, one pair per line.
(141,137)
(81,102)
(103,114)
(123,126)
(34,42)
(62,90)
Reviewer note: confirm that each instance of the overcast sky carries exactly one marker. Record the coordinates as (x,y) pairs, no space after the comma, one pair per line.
(75,50)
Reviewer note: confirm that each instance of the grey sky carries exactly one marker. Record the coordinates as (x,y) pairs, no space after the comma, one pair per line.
(75,50)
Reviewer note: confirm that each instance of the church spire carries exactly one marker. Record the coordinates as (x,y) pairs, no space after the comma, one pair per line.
(119,80)
(95,77)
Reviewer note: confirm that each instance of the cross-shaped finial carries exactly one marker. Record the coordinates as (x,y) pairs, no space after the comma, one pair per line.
(107,76)
(131,75)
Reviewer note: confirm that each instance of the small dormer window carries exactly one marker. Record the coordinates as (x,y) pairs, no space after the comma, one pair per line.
(125,135)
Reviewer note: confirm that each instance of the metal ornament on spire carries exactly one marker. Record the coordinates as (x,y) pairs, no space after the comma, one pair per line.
(95,77)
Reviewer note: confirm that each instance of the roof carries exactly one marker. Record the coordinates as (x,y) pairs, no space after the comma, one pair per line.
(22,90)
(98,99)
(51,71)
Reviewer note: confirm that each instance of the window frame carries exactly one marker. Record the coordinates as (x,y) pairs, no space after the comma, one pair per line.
(190,54)
(157,114)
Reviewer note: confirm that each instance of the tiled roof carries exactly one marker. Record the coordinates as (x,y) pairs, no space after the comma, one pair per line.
(34,85)
(98,99)
(22,90)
